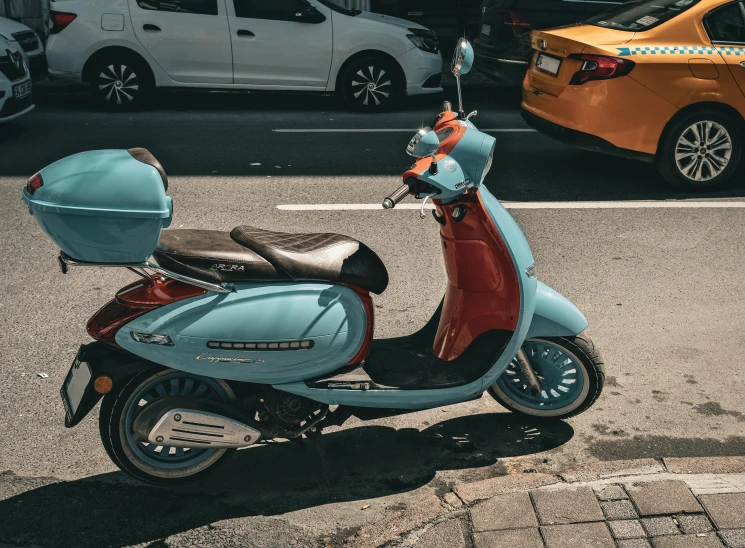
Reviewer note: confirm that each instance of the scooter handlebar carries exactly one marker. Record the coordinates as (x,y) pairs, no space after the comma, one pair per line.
(396,196)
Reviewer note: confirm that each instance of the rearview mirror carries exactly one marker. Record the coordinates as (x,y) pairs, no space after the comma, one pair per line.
(424,143)
(462,58)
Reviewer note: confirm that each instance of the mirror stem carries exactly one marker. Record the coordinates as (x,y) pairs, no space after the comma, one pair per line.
(433,165)
(461,114)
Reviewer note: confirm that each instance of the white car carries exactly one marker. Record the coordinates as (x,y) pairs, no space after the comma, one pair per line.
(27,42)
(127,48)
(15,83)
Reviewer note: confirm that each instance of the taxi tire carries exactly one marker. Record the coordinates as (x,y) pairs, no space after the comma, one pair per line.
(665,160)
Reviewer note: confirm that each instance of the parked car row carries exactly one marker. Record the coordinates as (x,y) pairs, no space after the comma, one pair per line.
(661,81)
(128,49)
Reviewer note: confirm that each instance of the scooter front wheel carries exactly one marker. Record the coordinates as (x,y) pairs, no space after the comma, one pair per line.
(570,373)
(158,464)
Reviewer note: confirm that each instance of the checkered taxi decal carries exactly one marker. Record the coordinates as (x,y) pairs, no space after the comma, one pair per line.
(683,50)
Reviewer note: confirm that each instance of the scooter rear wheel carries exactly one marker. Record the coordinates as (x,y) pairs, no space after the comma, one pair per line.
(571,373)
(160,465)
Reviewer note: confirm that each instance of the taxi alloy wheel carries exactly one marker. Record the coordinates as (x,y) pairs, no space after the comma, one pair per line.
(701,151)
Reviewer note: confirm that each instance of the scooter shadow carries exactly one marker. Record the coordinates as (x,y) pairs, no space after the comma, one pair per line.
(368,462)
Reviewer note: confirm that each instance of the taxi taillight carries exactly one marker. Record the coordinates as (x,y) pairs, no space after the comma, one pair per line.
(599,67)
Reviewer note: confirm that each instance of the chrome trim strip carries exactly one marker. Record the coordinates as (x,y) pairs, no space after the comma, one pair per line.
(512,61)
(219,288)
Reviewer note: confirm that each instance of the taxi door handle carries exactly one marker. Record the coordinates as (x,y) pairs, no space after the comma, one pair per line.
(151,28)
(246,33)
(742,64)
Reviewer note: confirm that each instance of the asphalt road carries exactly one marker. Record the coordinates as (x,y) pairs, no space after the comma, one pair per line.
(662,289)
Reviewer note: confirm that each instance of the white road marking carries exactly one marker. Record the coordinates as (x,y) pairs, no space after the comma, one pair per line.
(662,204)
(392,130)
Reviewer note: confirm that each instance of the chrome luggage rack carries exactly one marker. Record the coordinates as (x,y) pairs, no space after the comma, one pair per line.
(142,269)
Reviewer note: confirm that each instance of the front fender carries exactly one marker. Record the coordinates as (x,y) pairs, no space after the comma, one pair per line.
(555,315)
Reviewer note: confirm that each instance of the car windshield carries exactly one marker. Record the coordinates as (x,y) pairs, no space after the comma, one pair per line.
(641,16)
(334,5)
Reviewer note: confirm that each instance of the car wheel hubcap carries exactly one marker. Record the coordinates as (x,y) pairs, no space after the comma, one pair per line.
(118,83)
(371,86)
(703,151)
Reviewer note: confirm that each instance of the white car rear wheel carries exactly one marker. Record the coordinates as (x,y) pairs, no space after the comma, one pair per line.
(122,83)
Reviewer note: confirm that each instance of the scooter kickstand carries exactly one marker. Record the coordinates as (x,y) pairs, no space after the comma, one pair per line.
(317,440)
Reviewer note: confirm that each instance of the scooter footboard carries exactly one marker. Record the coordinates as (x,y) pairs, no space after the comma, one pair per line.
(555,315)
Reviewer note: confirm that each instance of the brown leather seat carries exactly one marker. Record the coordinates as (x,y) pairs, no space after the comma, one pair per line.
(250,254)
(316,257)
(211,256)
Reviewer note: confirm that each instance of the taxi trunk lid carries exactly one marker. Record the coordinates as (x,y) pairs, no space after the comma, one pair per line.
(556,47)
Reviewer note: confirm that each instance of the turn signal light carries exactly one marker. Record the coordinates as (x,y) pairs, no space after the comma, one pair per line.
(599,67)
(103,384)
(152,338)
(34,183)
(60,20)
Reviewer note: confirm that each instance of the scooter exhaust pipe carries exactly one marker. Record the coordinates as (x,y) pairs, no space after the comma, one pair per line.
(195,423)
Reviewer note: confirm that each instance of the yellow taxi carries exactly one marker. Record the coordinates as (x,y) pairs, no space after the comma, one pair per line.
(661,81)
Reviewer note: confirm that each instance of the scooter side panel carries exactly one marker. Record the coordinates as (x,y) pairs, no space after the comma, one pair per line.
(331,316)
(522,258)
(555,315)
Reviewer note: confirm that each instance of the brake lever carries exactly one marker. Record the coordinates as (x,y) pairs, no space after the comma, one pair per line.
(422,215)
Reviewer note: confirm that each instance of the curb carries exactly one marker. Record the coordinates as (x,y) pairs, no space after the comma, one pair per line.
(405,527)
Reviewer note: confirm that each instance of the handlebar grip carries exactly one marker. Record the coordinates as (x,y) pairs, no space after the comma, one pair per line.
(396,196)
(447,106)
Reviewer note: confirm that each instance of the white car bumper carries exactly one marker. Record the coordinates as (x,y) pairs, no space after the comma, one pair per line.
(11,108)
(423,71)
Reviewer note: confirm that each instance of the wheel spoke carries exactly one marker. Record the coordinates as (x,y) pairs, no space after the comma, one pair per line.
(188,385)
(685,156)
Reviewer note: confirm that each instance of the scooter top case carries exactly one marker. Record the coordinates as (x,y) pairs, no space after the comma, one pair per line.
(103,206)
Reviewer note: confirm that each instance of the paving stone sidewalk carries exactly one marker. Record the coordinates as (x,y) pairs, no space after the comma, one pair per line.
(640,504)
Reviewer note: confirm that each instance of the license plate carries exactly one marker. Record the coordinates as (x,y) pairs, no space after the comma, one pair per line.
(21,90)
(73,389)
(547,64)
(486,30)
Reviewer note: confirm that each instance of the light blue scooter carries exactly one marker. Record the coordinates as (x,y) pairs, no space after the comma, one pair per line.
(233,339)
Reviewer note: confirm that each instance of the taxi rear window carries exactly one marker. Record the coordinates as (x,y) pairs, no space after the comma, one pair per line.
(641,16)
